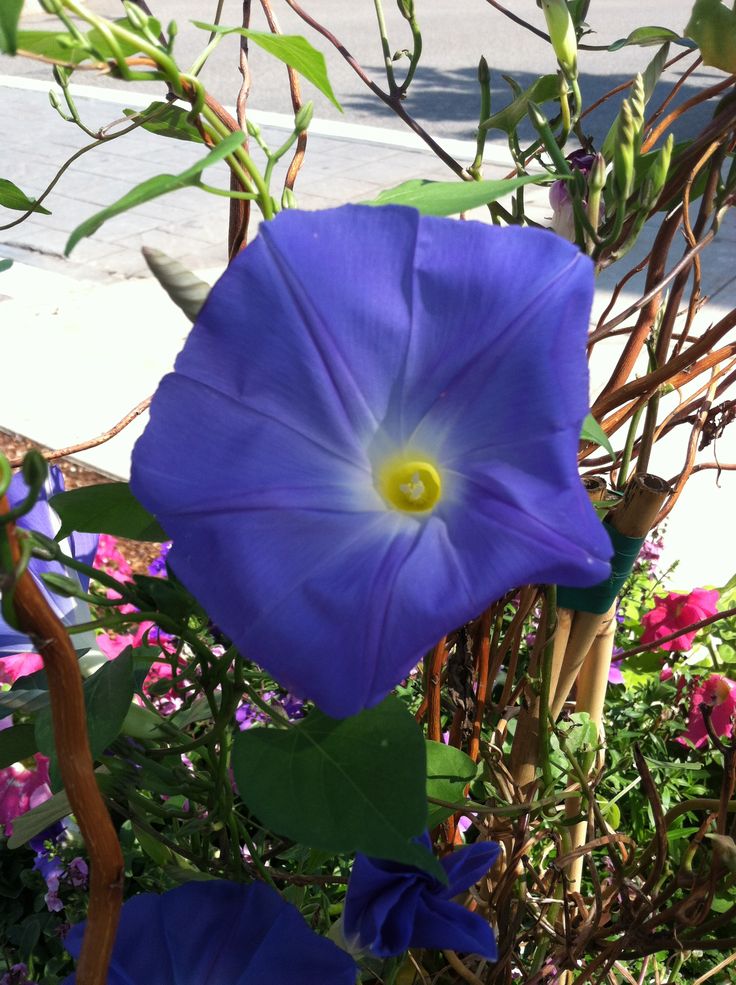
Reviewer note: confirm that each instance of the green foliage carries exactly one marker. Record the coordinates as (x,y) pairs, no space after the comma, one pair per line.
(351,785)
(11,197)
(592,431)
(544,89)
(292,49)
(152,188)
(712,26)
(166,120)
(16,743)
(450,197)
(108,508)
(449,771)
(9,17)
(107,694)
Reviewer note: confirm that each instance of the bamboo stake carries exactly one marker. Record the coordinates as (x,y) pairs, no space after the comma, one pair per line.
(525,749)
(632,517)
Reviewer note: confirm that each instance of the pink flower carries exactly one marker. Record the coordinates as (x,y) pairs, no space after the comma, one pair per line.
(19,665)
(720,694)
(677,611)
(21,789)
(110,560)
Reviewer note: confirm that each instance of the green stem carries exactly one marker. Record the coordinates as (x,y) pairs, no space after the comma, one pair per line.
(623,472)
(386,48)
(544,692)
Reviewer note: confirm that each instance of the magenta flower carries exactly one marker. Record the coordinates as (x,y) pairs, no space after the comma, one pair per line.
(370,435)
(390,907)
(19,665)
(218,933)
(677,611)
(21,789)
(720,694)
(109,559)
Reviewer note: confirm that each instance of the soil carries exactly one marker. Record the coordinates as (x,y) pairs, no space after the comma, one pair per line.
(13,446)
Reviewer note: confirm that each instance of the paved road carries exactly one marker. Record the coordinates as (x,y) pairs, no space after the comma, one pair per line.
(456,33)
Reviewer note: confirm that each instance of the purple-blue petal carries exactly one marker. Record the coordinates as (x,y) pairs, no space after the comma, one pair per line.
(467,865)
(442,924)
(334,339)
(390,907)
(213,932)
(82,547)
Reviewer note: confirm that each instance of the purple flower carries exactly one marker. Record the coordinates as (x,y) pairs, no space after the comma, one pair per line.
(563,218)
(18,975)
(77,873)
(80,546)
(390,907)
(382,413)
(52,898)
(215,932)
(157,567)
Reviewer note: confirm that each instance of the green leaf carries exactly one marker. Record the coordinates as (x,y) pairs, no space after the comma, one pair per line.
(451,197)
(712,26)
(161,184)
(292,49)
(16,743)
(11,197)
(109,508)
(39,818)
(357,784)
(545,88)
(167,121)
(27,702)
(107,696)
(5,265)
(449,771)
(9,17)
(59,46)
(592,431)
(645,36)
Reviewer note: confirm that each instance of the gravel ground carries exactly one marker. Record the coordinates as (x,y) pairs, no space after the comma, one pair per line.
(13,446)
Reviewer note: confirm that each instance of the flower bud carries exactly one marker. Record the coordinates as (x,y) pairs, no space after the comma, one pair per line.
(135,15)
(562,34)
(623,152)
(34,468)
(657,174)
(304,117)
(406,8)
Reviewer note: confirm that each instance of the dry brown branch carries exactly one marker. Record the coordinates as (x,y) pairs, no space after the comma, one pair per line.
(52,456)
(51,641)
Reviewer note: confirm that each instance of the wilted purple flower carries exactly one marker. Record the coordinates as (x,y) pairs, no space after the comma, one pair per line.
(77,873)
(52,898)
(80,546)
(563,219)
(234,934)
(18,975)
(391,907)
(382,413)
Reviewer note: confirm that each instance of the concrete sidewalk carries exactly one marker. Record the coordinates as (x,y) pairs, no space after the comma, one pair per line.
(92,335)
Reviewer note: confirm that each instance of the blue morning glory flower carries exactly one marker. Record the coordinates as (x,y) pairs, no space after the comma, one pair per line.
(370,435)
(218,933)
(390,907)
(80,546)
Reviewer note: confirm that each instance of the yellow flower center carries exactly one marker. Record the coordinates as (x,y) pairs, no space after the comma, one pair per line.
(409,484)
